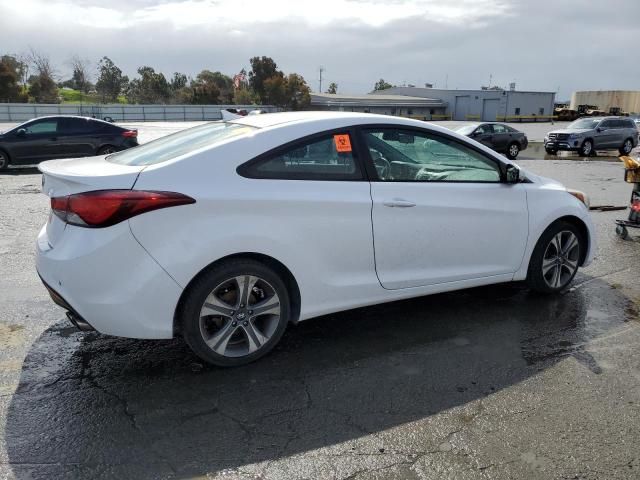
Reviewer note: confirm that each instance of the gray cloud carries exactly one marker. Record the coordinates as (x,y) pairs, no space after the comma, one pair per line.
(542,45)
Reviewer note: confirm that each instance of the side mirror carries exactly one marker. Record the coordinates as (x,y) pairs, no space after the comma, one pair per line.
(599,129)
(476,133)
(512,174)
(21,132)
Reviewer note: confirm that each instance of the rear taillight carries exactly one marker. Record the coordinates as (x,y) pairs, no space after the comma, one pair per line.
(104,208)
(130,133)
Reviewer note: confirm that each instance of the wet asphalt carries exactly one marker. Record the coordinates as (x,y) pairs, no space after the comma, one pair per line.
(494,382)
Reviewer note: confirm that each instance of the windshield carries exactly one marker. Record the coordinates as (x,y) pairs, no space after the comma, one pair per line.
(177,144)
(584,123)
(465,130)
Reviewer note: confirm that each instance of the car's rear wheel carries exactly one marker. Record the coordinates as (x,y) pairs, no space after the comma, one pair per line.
(626,147)
(4,161)
(235,312)
(107,150)
(586,149)
(513,151)
(556,258)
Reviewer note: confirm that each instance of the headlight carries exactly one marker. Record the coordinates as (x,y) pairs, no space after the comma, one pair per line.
(580,196)
(574,135)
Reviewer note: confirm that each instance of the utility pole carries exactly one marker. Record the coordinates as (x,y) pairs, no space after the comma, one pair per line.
(321,70)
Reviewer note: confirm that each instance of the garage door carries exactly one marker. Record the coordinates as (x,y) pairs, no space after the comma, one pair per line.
(461,107)
(490,109)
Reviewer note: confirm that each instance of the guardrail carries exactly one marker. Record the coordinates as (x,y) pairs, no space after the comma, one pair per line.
(441,116)
(525,118)
(472,117)
(19,112)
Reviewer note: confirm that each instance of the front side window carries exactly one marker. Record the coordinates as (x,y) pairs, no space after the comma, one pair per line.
(413,156)
(485,129)
(325,157)
(584,123)
(43,127)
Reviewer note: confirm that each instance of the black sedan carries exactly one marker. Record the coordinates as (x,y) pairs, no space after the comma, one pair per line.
(498,136)
(47,138)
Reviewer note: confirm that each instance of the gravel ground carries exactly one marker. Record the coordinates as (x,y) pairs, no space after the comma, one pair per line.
(486,383)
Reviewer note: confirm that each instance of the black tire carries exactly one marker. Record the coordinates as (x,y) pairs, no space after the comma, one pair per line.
(190,320)
(586,149)
(106,150)
(622,232)
(626,147)
(551,151)
(5,161)
(513,150)
(535,277)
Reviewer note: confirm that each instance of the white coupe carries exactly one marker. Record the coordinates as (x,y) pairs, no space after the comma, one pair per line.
(227,232)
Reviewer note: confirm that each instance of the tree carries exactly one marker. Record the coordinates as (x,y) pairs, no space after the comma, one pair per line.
(275,91)
(333,88)
(152,87)
(243,96)
(298,94)
(110,81)
(264,69)
(42,86)
(80,78)
(10,90)
(212,88)
(382,85)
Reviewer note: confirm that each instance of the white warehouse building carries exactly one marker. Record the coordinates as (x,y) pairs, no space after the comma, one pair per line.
(485,105)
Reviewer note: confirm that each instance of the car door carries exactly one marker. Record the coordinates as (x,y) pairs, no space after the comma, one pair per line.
(605,136)
(440,210)
(36,141)
(484,134)
(77,137)
(501,137)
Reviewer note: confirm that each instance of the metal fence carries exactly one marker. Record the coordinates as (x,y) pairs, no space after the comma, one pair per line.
(19,112)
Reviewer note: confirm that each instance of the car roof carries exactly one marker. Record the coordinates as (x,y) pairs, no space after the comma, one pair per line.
(272,119)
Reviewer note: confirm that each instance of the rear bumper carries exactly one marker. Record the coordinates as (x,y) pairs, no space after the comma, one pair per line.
(108,282)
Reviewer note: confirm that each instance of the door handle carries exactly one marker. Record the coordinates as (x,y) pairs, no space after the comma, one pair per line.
(398,202)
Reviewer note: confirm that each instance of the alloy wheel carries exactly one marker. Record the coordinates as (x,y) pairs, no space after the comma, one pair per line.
(514,150)
(628,146)
(560,260)
(586,148)
(239,316)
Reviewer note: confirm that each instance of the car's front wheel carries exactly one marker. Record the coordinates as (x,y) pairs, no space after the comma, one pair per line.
(235,312)
(555,258)
(513,151)
(4,161)
(586,149)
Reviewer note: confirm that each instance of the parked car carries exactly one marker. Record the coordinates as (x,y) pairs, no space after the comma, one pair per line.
(226,232)
(587,135)
(498,136)
(47,138)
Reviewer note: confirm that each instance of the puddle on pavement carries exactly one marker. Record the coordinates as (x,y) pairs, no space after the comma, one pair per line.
(536,151)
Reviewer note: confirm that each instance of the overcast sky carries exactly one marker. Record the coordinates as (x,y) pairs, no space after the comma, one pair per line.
(549,45)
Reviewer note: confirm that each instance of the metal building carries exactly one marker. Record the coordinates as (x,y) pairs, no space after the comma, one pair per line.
(401,105)
(486,105)
(627,100)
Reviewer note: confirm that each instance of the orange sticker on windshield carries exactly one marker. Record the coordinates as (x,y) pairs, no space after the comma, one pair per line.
(343,143)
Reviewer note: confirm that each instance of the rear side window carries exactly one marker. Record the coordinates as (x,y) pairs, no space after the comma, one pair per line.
(74,125)
(180,143)
(324,157)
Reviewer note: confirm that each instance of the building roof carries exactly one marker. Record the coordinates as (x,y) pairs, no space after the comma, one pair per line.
(420,91)
(369,100)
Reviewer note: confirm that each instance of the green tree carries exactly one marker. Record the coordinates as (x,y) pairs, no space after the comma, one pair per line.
(80,78)
(212,88)
(382,85)
(333,88)
(243,96)
(42,86)
(111,81)
(152,87)
(264,69)
(10,91)
(298,93)
(275,91)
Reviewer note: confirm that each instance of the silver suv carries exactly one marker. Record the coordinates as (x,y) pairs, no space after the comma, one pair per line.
(587,135)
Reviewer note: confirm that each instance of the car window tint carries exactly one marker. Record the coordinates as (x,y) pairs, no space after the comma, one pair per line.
(42,127)
(606,124)
(497,128)
(180,143)
(412,156)
(73,125)
(484,129)
(328,157)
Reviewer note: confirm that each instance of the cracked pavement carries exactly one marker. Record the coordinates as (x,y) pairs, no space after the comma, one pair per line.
(493,382)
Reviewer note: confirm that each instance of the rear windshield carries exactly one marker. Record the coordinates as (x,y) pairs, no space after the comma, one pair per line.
(176,144)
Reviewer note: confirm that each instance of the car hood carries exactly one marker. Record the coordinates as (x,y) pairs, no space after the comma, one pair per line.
(540,180)
(570,130)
